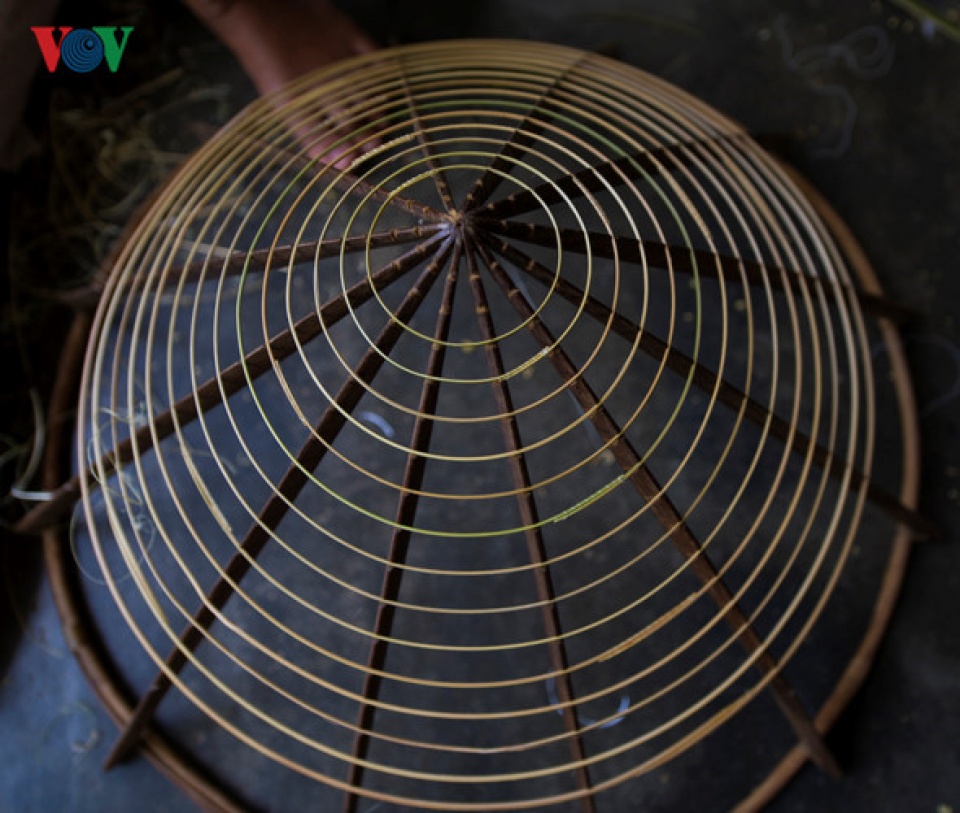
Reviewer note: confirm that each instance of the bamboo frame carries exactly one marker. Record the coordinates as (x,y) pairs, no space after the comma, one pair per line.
(473,236)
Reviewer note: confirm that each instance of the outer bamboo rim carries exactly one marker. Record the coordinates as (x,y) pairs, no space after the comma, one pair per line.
(863,658)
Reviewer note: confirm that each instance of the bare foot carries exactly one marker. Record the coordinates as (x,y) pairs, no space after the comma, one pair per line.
(276,42)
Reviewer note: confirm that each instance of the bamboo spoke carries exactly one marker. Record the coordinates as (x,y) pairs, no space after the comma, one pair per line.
(520,139)
(436,171)
(230,381)
(533,534)
(400,539)
(288,488)
(686,260)
(287,255)
(726,393)
(672,521)
(631,167)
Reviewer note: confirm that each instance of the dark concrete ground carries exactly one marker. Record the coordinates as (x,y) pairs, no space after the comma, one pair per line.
(867,94)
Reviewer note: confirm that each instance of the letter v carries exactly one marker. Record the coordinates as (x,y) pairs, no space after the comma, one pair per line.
(49,48)
(112,49)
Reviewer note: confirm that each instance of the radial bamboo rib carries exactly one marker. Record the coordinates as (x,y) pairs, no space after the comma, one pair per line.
(405,541)
(673,522)
(400,540)
(534,537)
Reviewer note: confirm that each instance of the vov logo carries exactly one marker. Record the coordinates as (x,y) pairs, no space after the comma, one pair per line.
(82,49)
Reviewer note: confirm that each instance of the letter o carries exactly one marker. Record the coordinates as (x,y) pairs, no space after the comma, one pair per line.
(81,50)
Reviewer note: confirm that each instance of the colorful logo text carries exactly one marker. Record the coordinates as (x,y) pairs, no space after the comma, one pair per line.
(82,49)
